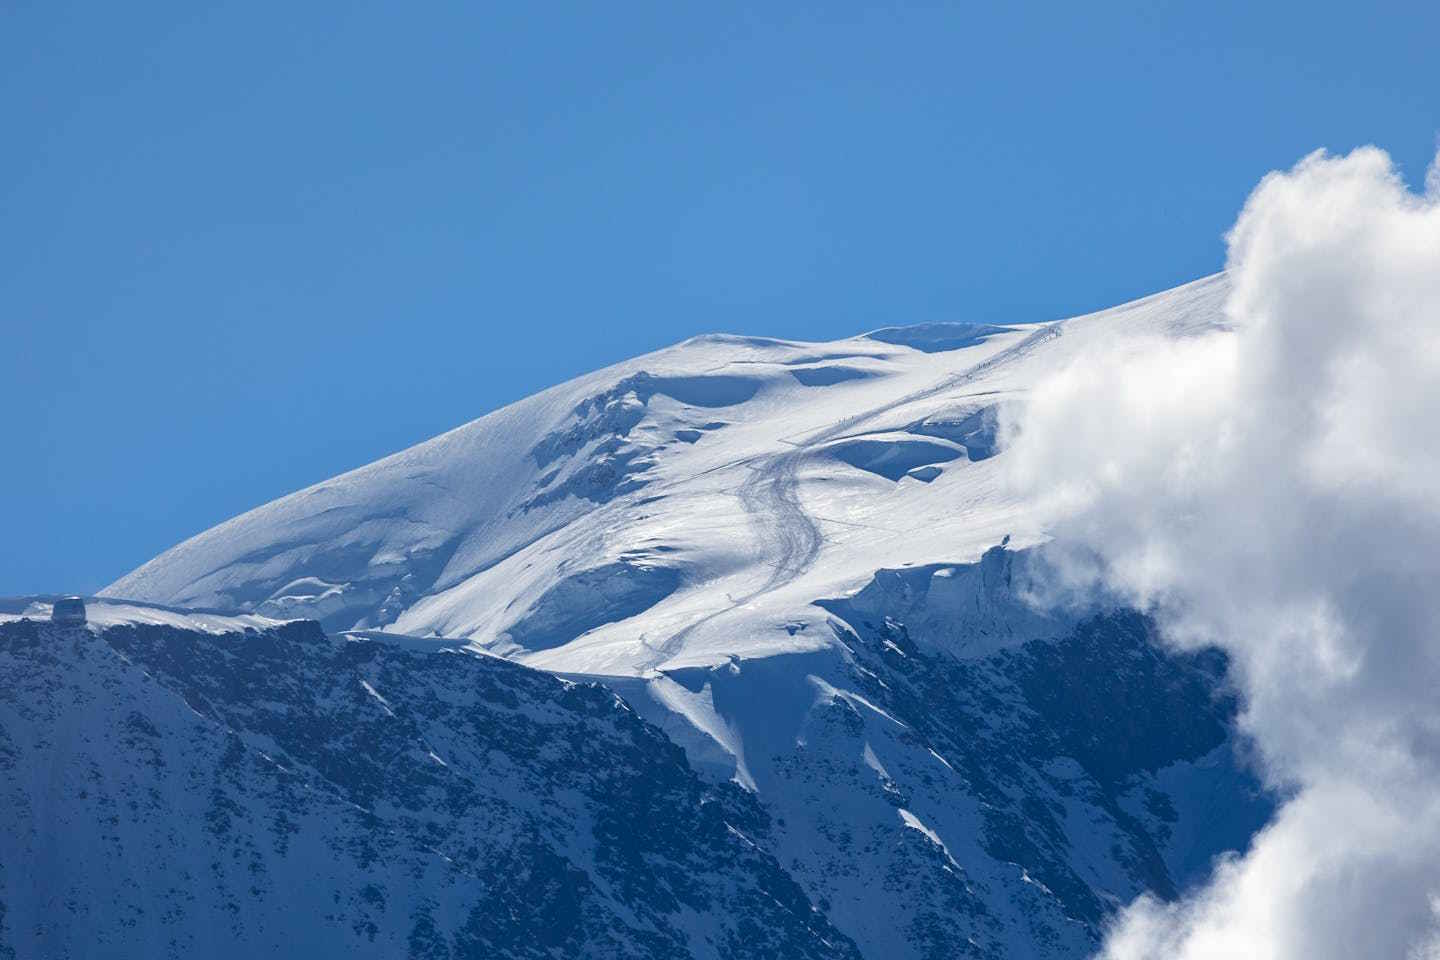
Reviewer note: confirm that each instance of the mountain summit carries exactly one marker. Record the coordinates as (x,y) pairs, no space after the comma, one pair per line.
(677,509)
(776,690)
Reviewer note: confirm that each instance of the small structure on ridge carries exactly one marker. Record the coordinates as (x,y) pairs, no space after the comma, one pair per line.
(68,610)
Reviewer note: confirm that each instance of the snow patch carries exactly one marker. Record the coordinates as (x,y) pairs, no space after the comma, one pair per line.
(826,691)
(873,762)
(914,823)
(699,709)
(384,704)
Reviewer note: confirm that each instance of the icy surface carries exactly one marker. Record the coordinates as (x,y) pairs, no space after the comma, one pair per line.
(799,563)
(670,511)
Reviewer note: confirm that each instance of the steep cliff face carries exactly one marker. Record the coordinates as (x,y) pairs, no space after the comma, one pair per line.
(961,776)
(173,791)
(1069,774)
(281,792)
(672,510)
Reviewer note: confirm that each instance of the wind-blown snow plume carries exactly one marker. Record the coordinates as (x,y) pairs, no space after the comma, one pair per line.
(1276,490)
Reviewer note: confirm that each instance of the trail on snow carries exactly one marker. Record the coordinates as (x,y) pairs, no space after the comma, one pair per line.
(770,496)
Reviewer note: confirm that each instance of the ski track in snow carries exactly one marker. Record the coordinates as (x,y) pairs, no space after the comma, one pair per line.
(788,535)
(672,527)
(608,526)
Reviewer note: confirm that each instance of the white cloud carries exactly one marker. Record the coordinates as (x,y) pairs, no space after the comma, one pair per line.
(1276,490)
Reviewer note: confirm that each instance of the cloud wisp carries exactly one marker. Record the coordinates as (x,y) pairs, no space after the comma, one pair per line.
(1275,489)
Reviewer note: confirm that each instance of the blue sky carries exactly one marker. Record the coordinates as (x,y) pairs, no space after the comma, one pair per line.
(246,246)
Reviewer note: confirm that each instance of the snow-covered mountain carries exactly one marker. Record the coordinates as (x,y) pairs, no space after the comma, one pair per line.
(674,510)
(175,792)
(174,786)
(797,568)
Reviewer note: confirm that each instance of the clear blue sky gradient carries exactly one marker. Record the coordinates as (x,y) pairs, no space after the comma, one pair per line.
(246,246)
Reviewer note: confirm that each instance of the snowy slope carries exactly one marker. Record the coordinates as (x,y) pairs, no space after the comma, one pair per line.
(173,791)
(787,557)
(176,793)
(674,510)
